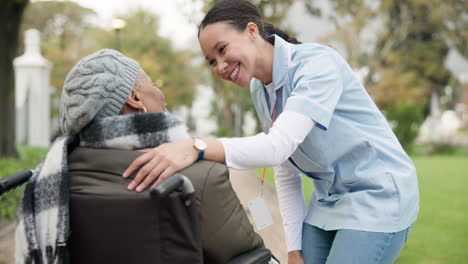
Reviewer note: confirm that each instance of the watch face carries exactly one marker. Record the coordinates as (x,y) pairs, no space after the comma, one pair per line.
(200,144)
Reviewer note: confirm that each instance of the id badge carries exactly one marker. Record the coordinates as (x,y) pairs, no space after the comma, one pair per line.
(260,214)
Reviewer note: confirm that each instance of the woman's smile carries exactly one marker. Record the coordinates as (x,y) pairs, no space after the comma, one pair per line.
(234,73)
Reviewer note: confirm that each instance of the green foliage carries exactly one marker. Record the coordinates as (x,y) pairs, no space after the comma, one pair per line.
(230,106)
(170,69)
(407,60)
(439,149)
(29,158)
(68,37)
(63,20)
(406,120)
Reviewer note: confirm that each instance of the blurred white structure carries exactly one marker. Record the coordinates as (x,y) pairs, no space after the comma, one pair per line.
(361,73)
(440,126)
(201,110)
(32,78)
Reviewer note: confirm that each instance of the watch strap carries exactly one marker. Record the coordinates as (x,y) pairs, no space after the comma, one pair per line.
(201,154)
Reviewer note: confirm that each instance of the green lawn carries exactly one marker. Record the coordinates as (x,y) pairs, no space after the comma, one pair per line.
(440,235)
(28,159)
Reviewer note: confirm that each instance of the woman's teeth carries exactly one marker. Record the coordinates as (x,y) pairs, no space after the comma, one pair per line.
(234,73)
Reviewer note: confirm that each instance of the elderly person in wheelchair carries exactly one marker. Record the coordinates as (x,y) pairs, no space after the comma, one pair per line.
(76,206)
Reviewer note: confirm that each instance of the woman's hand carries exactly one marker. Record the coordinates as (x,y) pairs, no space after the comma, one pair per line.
(295,257)
(161,162)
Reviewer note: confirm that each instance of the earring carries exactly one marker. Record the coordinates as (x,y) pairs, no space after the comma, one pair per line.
(144,109)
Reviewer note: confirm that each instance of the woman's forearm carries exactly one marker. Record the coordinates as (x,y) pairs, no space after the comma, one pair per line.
(214,150)
(268,150)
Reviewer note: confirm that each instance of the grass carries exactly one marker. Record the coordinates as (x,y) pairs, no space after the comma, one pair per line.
(440,235)
(28,159)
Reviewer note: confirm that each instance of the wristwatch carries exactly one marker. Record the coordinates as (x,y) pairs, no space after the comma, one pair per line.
(199,145)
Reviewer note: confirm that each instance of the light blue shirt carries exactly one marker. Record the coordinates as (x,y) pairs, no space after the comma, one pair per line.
(363,179)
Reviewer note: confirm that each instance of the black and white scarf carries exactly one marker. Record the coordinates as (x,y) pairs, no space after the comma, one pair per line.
(43,217)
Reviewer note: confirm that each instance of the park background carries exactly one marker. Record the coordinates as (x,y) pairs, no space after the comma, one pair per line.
(411,56)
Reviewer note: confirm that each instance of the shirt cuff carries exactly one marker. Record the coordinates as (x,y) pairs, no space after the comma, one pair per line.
(227,151)
(310,108)
(293,233)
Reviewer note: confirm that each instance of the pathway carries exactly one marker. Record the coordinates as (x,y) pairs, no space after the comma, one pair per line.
(247,186)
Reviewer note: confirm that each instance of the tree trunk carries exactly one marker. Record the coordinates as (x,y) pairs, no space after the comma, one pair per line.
(11,12)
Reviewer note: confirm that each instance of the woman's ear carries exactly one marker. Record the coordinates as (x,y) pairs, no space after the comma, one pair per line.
(252,30)
(134,101)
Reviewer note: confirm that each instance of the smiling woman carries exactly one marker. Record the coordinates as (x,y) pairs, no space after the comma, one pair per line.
(237,50)
(234,56)
(318,120)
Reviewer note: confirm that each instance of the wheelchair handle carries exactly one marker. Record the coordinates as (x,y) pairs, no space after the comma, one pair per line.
(10,182)
(173,183)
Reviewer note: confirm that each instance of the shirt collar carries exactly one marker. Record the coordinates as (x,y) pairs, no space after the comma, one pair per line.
(281,60)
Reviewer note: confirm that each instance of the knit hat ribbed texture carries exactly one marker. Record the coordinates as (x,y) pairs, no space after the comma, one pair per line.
(98,86)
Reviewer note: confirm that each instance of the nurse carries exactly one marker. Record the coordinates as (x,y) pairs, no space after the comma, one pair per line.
(319,121)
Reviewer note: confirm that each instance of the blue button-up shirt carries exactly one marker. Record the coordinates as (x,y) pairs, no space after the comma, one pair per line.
(363,179)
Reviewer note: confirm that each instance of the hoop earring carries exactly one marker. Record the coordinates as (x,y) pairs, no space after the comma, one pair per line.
(144,109)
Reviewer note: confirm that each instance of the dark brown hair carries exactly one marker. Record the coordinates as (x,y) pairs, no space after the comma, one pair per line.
(239,13)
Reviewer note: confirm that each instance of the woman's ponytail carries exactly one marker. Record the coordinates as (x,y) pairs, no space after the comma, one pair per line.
(270,29)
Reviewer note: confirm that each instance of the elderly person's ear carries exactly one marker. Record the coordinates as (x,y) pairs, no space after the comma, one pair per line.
(145,97)
(134,104)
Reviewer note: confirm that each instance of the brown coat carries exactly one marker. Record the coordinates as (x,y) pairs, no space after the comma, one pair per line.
(225,229)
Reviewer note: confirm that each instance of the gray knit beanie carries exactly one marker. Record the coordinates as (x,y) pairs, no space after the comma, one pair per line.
(98,86)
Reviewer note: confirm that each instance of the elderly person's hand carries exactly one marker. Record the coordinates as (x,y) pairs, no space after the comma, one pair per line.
(161,162)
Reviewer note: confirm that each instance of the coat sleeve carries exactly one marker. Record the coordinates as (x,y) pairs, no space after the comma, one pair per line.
(226,230)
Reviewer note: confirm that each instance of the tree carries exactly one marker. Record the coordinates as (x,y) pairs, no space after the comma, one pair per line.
(233,102)
(170,68)
(11,12)
(65,21)
(63,26)
(407,60)
(67,37)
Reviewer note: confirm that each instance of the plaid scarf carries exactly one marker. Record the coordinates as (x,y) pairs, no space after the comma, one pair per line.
(43,217)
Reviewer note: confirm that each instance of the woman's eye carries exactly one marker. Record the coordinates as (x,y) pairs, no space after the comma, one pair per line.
(213,63)
(222,49)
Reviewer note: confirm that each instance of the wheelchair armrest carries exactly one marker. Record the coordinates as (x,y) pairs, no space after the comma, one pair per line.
(173,183)
(10,182)
(256,256)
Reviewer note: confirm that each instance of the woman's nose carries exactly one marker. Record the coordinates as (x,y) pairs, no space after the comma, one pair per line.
(221,66)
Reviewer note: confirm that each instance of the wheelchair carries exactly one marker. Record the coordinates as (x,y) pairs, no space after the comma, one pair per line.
(175,231)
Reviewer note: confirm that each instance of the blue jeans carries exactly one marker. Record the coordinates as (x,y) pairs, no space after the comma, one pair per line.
(350,246)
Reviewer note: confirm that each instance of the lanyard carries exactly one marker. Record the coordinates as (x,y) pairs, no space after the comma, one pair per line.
(273,116)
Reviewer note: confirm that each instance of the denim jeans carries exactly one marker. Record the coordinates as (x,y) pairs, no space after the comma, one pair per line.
(347,246)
